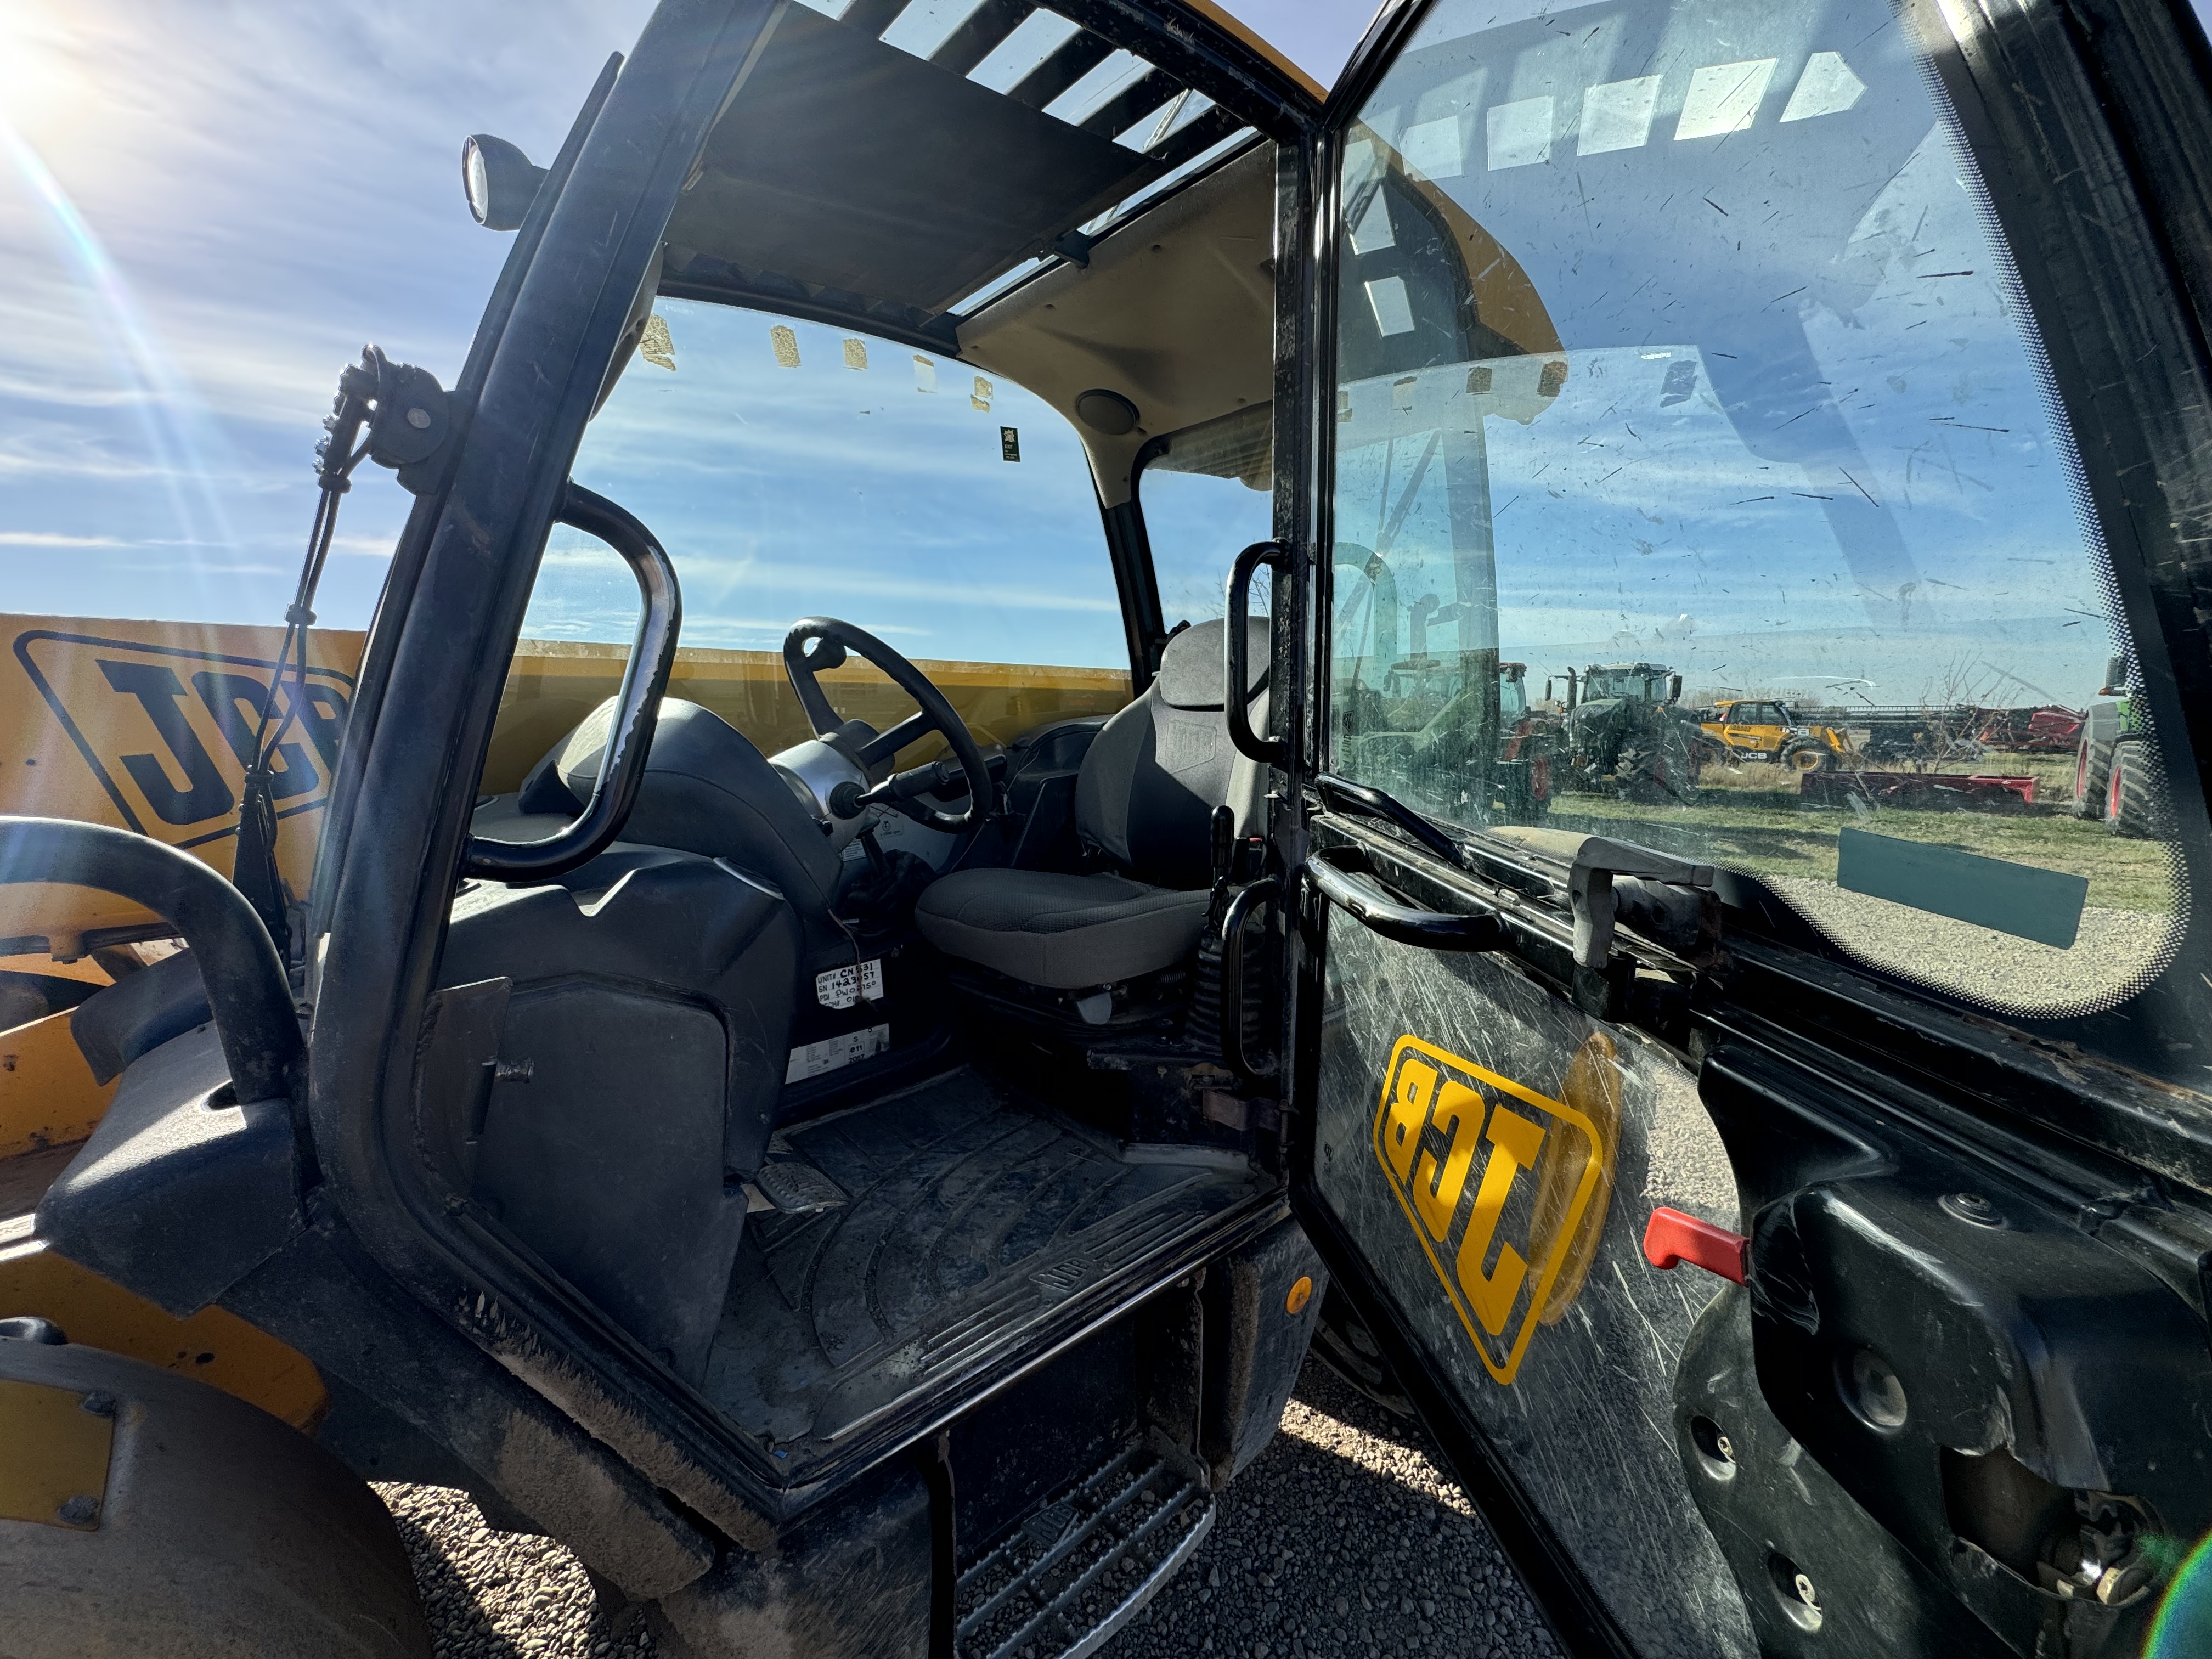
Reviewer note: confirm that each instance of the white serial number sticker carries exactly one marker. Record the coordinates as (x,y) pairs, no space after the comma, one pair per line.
(840,987)
(831,1053)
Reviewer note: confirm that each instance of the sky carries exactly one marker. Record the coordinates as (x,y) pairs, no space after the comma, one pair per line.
(205,211)
(957,521)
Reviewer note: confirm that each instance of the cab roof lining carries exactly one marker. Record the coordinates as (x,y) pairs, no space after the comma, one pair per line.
(1175,312)
(852,180)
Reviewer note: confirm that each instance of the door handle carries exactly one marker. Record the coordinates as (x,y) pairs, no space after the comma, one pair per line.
(1236,649)
(1429,930)
(637,708)
(1590,889)
(1671,1238)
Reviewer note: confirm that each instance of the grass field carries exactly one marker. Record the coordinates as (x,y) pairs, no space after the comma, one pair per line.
(1749,817)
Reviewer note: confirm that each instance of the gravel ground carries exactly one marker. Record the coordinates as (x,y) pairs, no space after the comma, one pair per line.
(1343,1537)
(500,1595)
(2115,949)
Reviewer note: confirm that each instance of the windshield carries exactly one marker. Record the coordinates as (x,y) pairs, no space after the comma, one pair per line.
(1618,683)
(1512,692)
(793,470)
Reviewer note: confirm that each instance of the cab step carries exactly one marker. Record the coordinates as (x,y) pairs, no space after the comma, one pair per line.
(1076,1570)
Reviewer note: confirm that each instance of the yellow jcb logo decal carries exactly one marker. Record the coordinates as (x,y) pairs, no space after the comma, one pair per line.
(1495,1181)
(169,730)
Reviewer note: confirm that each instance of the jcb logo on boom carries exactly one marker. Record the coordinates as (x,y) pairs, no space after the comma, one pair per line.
(169,731)
(1494,1179)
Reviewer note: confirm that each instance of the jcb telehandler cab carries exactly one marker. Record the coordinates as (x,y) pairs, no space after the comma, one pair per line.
(861,1165)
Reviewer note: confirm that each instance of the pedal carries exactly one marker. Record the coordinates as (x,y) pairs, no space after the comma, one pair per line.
(1078,1570)
(793,1188)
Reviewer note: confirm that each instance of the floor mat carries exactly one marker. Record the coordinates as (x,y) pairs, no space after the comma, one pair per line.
(939,1230)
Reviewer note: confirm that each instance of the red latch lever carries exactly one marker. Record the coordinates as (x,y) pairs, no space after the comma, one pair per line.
(1672,1237)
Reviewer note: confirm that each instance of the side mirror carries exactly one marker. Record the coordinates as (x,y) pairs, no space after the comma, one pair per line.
(1674,688)
(499,181)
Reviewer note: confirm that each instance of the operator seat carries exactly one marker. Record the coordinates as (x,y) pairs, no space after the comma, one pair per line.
(1144,801)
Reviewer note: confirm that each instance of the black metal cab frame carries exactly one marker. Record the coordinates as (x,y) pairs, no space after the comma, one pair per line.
(428,692)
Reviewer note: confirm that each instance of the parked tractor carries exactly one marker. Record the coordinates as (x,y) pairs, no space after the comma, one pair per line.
(1623,732)
(1525,743)
(1451,710)
(2116,779)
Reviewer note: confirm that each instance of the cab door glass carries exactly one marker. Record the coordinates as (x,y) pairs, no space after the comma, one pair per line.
(1680,361)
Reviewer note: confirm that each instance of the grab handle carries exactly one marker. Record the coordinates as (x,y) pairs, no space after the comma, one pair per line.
(246,990)
(637,708)
(1429,930)
(1236,649)
(1248,898)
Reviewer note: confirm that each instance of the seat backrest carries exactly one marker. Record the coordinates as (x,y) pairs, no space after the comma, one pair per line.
(1155,771)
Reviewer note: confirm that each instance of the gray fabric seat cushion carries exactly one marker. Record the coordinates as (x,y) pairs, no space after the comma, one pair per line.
(1062,932)
(1145,798)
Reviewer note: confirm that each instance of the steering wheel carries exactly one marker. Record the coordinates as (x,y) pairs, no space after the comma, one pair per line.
(831,640)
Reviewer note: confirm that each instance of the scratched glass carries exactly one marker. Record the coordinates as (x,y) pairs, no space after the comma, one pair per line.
(1680,370)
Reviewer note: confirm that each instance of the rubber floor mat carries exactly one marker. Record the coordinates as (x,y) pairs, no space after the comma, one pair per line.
(945,1227)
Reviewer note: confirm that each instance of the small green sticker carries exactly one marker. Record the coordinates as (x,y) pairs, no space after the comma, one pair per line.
(2019,899)
(1010,444)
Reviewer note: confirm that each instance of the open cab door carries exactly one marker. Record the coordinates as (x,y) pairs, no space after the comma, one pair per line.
(1789,1205)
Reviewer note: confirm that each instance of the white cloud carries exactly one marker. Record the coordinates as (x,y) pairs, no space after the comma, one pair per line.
(363,547)
(272,188)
